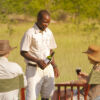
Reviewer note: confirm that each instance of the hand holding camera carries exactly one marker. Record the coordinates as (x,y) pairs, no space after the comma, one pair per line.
(78,70)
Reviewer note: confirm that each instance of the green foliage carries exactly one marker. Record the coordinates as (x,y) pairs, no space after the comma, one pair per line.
(76,8)
(90,27)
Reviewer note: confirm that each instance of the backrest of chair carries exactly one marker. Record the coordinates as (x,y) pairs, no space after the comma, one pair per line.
(65,86)
(11,84)
(22,93)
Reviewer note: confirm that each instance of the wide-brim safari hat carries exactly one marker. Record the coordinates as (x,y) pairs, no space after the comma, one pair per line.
(5,47)
(93,53)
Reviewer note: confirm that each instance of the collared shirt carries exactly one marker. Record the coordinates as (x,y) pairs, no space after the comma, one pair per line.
(94,76)
(9,70)
(38,43)
(94,81)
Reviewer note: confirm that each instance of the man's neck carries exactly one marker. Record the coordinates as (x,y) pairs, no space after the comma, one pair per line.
(39,27)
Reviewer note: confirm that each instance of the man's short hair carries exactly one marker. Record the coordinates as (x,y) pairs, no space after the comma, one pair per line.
(42,12)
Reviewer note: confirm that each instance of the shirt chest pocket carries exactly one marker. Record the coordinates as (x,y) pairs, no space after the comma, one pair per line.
(40,41)
(37,41)
(46,41)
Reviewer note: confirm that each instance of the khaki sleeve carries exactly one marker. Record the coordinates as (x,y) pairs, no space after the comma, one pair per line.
(52,42)
(26,42)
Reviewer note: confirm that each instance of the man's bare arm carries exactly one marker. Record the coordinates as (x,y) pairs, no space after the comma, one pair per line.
(56,71)
(27,56)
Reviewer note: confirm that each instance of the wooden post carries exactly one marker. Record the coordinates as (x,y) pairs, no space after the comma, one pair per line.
(65,89)
(71,92)
(58,92)
(78,96)
(22,94)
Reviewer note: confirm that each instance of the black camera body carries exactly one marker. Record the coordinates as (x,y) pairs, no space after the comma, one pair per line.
(78,70)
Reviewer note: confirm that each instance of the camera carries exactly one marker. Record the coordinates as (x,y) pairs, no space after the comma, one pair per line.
(78,70)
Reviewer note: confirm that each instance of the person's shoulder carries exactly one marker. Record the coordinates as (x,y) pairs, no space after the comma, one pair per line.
(15,65)
(48,31)
(30,31)
(14,68)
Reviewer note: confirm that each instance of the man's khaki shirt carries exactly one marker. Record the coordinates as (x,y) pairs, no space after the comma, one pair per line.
(38,43)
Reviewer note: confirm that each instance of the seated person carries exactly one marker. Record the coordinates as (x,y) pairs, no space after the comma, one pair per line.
(93,78)
(8,70)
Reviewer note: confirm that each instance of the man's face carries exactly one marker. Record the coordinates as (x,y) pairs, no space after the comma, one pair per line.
(43,22)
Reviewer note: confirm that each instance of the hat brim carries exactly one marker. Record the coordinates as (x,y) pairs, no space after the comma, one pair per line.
(6,51)
(94,58)
(85,52)
(13,48)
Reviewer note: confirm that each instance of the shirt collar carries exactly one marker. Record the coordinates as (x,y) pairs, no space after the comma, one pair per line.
(3,58)
(38,30)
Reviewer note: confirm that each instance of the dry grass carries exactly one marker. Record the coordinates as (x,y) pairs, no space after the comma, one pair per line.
(71,39)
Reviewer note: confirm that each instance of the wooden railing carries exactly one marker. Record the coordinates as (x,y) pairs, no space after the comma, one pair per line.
(22,93)
(65,87)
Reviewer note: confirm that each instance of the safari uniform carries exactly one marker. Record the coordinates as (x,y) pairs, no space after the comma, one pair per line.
(38,43)
(9,70)
(94,81)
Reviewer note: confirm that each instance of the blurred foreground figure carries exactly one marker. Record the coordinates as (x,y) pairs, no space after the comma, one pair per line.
(9,82)
(93,78)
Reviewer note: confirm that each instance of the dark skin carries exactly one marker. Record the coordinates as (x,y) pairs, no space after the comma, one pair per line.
(42,23)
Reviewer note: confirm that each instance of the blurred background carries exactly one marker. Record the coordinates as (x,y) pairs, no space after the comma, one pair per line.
(75,25)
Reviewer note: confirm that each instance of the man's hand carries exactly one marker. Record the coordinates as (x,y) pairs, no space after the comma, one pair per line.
(41,64)
(83,77)
(83,74)
(56,72)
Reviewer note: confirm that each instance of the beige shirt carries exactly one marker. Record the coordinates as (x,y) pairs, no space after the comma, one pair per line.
(9,70)
(38,43)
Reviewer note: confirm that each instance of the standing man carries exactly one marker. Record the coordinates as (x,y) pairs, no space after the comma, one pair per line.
(38,43)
